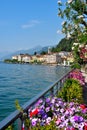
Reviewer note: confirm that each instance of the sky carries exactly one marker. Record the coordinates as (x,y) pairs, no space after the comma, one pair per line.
(25,24)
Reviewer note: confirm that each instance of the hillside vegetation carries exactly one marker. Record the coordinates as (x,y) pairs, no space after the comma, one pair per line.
(64,45)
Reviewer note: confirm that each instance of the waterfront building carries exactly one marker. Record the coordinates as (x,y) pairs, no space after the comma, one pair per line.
(15,57)
(49,50)
(70,58)
(52,58)
(26,58)
(66,57)
(20,56)
(38,58)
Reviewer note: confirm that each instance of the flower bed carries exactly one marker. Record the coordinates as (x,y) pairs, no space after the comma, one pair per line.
(65,112)
(55,114)
(76,74)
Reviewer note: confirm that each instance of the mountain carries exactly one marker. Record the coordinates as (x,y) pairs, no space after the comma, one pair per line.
(31,51)
(3,54)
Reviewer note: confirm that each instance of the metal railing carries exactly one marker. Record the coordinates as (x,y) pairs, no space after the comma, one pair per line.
(16,115)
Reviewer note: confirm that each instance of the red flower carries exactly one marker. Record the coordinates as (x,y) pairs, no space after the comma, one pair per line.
(82,106)
(85,126)
(34,112)
(73,128)
(22,127)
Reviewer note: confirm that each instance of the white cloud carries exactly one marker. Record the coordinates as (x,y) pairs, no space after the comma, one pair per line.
(30,24)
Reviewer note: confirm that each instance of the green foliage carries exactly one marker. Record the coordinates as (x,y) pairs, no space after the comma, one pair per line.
(50,126)
(71,90)
(10,127)
(83,38)
(18,106)
(74,14)
(76,66)
(77,58)
(64,45)
(35,53)
(11,61)
(43,53)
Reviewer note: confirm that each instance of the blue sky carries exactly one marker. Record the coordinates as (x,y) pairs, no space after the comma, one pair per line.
(25,24)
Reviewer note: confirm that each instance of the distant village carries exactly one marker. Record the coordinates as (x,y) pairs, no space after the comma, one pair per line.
(60,58)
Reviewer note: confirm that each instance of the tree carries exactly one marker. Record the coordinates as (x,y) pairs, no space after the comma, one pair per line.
(63,45)
(43,53)
(74,13)
(35,53)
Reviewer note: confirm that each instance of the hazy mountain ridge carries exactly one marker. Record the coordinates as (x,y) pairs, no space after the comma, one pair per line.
(31,51)
(63,45)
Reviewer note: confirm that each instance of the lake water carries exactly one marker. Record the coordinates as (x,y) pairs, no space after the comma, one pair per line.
(23,82)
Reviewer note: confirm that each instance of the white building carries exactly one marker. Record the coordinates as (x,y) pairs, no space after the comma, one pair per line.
(14,57)
(49,50)
(26,58)
(64,53)
(23,58)
(20,56)
(52,58)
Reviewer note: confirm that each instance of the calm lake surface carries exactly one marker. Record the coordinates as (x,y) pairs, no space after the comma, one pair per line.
(23,82)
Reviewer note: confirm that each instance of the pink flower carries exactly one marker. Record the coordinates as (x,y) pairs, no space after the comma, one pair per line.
(58,121)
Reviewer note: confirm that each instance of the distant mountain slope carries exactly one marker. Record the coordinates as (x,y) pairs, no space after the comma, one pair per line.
(63,45)
(31,51)
(3,54)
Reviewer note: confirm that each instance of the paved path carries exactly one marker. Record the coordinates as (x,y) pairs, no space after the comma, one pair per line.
(85,89)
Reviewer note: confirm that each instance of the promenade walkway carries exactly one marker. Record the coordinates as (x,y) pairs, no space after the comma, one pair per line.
(85,88)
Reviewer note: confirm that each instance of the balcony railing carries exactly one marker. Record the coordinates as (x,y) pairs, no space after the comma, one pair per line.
(16,116)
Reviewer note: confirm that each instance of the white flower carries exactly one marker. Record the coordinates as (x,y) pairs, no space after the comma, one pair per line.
(61,110)
(48,120)
(81,45)
(63,23)
(85,46)
(76,26)
(69,1)
(80,16)
(75,44)
(63,30)
(72,48)
(59,2)
(68,35)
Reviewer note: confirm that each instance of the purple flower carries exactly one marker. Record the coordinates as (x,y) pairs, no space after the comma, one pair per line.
(47,109)
(80,119)
(67,115)
(34,121)
(39,102)
(47,100)
(76,118)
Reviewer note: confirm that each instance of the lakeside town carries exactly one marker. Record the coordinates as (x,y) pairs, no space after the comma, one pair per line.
(62,105)
(59,58)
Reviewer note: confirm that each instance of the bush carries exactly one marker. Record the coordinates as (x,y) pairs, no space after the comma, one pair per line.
(76,66)
(71,90)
